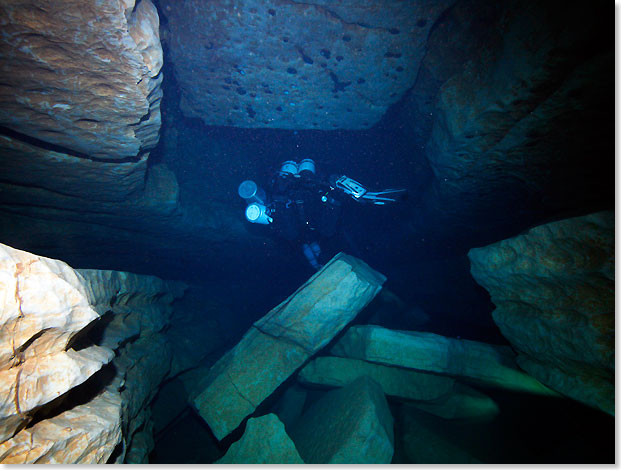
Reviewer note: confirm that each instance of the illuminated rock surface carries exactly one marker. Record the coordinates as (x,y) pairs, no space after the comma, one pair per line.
(264,442)
(479,362)
(294,65)
(44,305)
(63,325)
(82,75)
(280,342)
(351,425)
(553,288)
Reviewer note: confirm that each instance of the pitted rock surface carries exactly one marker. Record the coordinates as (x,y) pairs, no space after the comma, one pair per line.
(296,65)
(82,75)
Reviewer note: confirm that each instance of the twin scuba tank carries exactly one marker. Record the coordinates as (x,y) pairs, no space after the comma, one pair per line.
(256,211)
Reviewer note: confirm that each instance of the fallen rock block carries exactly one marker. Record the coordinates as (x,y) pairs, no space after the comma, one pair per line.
(351,425)
(397,382)
(425,443)
(482,363)
(554,292)
(436,394)
(290,406)
(264,442)
(280,342)
(460,403)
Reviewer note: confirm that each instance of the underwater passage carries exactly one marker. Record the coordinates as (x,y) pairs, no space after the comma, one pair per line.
(339,407)
(243,231)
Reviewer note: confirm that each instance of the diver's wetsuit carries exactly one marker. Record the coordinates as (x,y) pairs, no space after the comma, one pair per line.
(300,215)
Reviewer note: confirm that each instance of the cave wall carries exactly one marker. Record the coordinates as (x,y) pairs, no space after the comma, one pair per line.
(85,352)
(512,109)
(554,292)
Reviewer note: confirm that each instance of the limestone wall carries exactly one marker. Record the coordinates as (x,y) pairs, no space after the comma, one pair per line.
(59,328)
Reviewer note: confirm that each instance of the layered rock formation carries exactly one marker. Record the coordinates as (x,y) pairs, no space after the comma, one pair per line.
(480,363)
(62,326)
(553,288)
(82,76)
(281,341)
(44,306)
(294,65)
(351,425)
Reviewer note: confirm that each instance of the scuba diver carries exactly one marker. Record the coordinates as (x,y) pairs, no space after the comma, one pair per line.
(303,208)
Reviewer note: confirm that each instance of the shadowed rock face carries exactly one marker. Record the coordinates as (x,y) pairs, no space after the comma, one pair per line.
(82,75)
(512,111)
(553,288)
(296,65)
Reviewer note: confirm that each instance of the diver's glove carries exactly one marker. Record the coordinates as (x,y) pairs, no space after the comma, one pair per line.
(361,194)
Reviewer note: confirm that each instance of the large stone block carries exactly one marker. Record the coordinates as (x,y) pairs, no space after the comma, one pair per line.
(82,75)
(480,362)
(425,441)
(280,342)
(264,442)
(351,425)
(437,394)
(293,65)
(395,381)
(554,292)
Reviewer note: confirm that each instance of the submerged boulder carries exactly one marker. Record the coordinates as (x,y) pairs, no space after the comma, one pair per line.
(264,442)
(425,441)
(437,394)
(395,381)
(280,342)
(554,292)
(351,425)
(482,363)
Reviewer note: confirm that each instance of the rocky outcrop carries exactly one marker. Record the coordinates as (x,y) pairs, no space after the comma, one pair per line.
(280,342)
(264,442)
(62,326)
(480,363)
(294,65)
(82,76)
(436,394)
(508,115)
(351,425)
(44,307)
(553,288)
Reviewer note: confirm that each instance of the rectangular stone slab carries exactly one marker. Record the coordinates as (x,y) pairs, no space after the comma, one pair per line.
(280,342)
(482,363)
